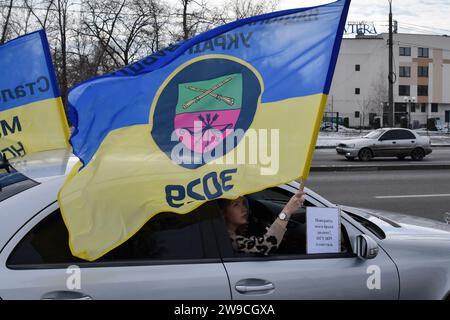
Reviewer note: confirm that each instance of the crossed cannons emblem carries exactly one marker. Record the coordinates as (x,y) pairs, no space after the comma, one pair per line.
(209,92)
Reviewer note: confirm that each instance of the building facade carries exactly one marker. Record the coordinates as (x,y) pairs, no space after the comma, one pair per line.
(359,91)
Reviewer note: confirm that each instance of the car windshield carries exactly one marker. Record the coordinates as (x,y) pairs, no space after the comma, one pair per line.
(13,182)
(374,134)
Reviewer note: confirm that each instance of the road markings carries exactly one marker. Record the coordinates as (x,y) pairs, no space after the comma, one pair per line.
(414,196)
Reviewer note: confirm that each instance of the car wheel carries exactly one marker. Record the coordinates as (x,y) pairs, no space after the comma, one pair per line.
(401,157)
(350,158)
(365,154)
(417,154)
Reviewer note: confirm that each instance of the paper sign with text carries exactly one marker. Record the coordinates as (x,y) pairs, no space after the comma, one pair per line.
(323,230)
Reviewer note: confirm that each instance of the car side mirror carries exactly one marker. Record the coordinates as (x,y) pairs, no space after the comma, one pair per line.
(365,247)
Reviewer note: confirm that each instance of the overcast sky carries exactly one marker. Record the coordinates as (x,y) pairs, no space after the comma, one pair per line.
(413,16)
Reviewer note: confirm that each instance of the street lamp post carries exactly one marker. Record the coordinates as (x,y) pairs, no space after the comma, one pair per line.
(391,72)
(382,115)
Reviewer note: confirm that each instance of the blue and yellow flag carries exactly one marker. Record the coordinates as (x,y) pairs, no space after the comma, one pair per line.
(32,115)
(232,111)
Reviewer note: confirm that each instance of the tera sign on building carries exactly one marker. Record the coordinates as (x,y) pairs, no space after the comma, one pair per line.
(360,27)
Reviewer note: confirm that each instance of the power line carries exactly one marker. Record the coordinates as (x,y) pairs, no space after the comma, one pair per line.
(416,45)
(424,27)
(424,30)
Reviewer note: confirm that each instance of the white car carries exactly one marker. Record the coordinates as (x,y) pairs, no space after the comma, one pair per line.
(382,255)
(386,142)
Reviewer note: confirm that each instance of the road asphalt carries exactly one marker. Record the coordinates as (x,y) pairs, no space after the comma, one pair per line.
(326,160)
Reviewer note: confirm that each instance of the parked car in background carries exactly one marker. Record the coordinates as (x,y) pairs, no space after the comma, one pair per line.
(386,142)
(190,256)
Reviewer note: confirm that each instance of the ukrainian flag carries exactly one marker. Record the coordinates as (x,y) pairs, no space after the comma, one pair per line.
(151,136)
(32,115)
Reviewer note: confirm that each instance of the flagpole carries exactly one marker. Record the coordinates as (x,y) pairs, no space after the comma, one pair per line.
(302,184)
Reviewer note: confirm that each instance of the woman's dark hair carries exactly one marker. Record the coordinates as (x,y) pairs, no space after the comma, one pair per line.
(223,203)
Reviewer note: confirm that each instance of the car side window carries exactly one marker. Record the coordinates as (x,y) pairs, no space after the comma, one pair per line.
(264,206)
(390,135)
(167,236)
(13,182)
(405,135)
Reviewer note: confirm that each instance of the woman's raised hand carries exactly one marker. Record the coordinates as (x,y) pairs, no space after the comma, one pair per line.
(296,201)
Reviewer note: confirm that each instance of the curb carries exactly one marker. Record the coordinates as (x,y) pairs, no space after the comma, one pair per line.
(381,168)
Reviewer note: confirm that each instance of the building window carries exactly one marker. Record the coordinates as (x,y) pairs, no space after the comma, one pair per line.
(357,67)
(404,90)
(422,91)
(422,53)
(405,72)
(356,114)
(405,51)
(423,107)
(434,107)
(357,91)
(413,107)
(422,71)
(400,107)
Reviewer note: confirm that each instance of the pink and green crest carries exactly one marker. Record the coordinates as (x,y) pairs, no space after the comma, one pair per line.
(207,110)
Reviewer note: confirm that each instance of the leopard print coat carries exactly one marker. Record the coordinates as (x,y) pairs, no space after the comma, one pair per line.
(265,244)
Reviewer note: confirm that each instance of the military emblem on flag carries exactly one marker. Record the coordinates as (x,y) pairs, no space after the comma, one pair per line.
(208,99)
(217,108)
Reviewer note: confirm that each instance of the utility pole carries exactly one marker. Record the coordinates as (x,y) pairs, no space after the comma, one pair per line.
(391,73)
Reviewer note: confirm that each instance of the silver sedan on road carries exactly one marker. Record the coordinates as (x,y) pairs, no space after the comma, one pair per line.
(386,142)
(382,255)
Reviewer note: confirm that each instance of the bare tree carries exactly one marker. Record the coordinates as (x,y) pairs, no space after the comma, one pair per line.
(91,37)
(240,9)
(192,14)
(62,21)
(6,23)
(159,20)
(42,13)
(201,15)
(195,16)
(125,31)
(379,96)
(100,26)
(380,92)
(186,29)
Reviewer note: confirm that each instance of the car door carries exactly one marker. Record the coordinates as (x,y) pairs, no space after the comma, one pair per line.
(388,144)
(407,142)
(171,257)
(293,274)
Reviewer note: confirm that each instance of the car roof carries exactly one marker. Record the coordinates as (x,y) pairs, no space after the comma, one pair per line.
(397,129)
(46,165)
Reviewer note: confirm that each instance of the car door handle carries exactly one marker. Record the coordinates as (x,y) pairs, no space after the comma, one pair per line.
(393,142)
(65,295)
(412,141)
(253,285)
